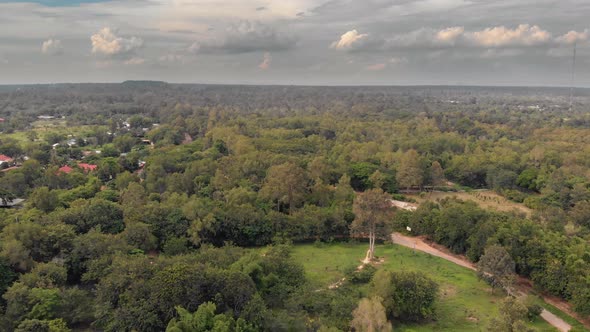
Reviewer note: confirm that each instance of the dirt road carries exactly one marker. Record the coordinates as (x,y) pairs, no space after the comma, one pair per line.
(418,244)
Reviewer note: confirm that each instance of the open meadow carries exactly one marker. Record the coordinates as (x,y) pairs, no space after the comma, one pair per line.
(465,303)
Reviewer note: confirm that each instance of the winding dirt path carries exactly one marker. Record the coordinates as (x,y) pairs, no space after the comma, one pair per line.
(418,244)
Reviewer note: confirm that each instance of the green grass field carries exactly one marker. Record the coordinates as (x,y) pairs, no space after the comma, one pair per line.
(465,304)
(44,127)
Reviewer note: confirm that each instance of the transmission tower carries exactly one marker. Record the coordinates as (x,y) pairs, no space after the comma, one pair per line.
(573,78)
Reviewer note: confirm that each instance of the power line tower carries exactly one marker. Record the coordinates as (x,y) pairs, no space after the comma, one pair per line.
(573,78)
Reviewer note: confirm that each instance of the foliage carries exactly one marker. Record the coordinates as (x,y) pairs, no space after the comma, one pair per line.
(407,296)
(150,228)
(372,210)
(512,315)
(369,316)
(496,267)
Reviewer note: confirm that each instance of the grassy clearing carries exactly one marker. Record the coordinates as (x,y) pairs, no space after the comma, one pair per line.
(466,303)
(486,199)
(42,128)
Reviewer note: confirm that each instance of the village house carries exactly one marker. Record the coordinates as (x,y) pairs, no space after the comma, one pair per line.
(5,160)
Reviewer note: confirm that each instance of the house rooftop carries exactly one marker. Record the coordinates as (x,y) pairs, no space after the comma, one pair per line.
(87,167)
(65,169)
(5,158)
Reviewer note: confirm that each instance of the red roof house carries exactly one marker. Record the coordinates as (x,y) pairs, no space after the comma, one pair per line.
(87,167)
(5,159)
(65,169)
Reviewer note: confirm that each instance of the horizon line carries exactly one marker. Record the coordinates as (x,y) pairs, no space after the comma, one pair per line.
(299,85)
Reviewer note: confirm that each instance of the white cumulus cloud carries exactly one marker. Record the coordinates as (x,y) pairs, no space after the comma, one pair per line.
(106,42)
(348,39)
(523,35)
(573,37)
(449,35)
(52,47)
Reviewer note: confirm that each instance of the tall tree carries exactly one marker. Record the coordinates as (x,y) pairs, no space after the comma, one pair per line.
(437,175)
(372,210)
(286,184)
(44,199)
(409,173)
(370,316)
(496,267)
(378,179)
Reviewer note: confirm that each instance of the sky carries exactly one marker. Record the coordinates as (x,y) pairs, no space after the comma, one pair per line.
(303,42)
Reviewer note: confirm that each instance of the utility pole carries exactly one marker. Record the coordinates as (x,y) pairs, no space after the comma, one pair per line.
(573,78)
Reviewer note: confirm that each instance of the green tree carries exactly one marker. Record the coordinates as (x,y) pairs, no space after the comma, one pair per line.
(344,192)
(124,143)
(496,267)
(437,175)
(373,211)
(370,316)
(44,199)
(87,214)
(285,183)
(378,179)
(32,135)
(139,235)
(36,325)
(409,172)
(205,320)
(407,296)
(513,314)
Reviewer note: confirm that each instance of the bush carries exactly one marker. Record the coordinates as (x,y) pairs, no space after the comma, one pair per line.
(401,197)
(407,296)
(514,195)
(534,311)
(176,246)
(362,276)
(533,202)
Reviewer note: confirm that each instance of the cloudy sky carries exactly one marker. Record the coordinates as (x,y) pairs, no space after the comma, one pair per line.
(334,42)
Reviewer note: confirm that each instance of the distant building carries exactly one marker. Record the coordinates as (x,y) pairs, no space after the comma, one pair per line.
(46,117)
(87,167)
(4,159)
(65,169)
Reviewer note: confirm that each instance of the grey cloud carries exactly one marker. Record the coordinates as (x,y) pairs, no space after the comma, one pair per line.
(247,37)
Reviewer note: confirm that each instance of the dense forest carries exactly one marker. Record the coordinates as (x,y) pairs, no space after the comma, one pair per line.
(145,206)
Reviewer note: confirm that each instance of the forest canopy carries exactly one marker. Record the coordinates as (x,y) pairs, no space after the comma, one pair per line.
(147,206)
